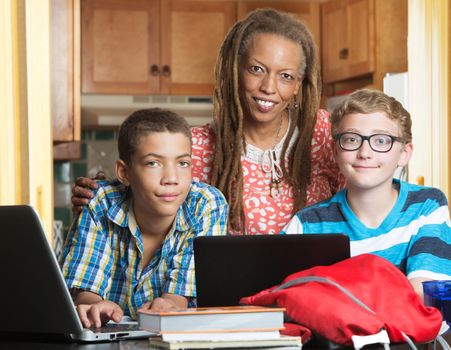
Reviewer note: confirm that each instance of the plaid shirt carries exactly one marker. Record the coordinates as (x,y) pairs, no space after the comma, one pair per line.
(103,250)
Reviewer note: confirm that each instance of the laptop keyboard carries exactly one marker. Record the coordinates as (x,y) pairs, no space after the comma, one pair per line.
(110,328)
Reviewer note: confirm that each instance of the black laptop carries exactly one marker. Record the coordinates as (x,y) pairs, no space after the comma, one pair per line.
(231,267)
(34,296)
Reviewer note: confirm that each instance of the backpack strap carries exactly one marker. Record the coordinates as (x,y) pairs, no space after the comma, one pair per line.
(442,342)
(359,341)
(302,280)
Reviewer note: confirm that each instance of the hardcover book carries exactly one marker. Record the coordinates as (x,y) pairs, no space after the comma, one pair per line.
(213,319)
(220,336)
(282,343)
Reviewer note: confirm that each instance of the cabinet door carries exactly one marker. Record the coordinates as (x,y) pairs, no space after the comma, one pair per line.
(348,39)
(65,77)
(360,37)
(120,46)
(307,12)
(192,33)
(334,40)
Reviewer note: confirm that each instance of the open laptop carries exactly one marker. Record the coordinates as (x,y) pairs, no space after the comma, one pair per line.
(35,298)
(231,267)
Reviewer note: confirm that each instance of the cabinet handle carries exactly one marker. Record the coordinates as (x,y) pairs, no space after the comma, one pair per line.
(166,70)
(154,70)
(343,53)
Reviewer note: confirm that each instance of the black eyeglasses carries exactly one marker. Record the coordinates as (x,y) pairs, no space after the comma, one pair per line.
(351,141)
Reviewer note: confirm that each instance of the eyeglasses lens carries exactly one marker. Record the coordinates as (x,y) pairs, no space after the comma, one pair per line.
(381,143)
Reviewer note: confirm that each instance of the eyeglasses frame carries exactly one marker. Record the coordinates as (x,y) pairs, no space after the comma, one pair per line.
(337,137)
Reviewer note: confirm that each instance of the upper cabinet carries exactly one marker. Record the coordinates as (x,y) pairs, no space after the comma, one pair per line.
(362,41)
(120,46)
(192,33)
(65,77)
(348,39)
(65,55)
(169,47)
(152,46)
(308,12)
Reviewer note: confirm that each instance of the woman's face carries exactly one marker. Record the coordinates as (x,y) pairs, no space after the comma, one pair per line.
(269,76)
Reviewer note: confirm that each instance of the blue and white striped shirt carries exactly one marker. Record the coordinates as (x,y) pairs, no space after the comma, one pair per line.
(103,250)
(415,235)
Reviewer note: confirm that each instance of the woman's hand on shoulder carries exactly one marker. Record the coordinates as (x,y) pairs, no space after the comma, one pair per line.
(82,191)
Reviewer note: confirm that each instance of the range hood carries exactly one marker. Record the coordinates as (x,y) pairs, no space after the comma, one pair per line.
(111,110)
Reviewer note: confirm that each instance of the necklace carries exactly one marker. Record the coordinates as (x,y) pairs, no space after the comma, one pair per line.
(271,165)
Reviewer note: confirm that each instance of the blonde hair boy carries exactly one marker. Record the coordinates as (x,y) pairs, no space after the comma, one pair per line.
(407,224)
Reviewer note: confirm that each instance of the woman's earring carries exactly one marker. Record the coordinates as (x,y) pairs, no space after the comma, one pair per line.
(296,102)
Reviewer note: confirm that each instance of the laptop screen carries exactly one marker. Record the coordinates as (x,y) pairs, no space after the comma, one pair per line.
(231,267)
(35,295)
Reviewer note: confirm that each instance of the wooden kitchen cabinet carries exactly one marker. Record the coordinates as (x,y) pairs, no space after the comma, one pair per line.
(348,43)
(65,77)
(152,46)
(120,46)
(308,12)
(192,34)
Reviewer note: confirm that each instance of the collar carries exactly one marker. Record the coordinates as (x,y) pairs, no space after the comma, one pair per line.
(119,209)
(132,225)
(186,215)
(257,155)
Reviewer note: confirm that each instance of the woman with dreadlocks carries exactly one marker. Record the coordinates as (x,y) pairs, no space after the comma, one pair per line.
(269,149)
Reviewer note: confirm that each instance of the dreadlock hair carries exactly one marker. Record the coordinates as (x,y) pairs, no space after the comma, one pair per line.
(230,109)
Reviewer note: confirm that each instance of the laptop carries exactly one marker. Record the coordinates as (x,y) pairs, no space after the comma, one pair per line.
(35,299)
(231,267)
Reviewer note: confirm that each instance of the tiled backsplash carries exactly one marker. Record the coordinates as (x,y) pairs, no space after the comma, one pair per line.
(99,152)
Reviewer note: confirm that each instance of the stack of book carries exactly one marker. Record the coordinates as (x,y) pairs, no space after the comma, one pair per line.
(218,327)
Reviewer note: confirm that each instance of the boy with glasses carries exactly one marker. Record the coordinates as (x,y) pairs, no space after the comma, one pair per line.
(407,224)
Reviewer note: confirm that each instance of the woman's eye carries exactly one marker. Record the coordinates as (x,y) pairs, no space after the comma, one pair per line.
(256,69)
(152,163)
(287,76)
(185,164)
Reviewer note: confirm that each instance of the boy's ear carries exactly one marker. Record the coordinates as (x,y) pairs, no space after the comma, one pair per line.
(406,153)
(122,172)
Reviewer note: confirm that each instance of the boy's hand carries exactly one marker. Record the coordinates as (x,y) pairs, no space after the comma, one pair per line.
(159,305)
(165,303)
(81,192)
(417,284)
(94,315)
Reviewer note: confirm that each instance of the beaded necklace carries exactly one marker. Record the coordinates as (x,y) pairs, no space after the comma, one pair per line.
(272,166)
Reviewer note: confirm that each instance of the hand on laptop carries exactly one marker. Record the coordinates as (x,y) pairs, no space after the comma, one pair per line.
(95,315)
(94,311)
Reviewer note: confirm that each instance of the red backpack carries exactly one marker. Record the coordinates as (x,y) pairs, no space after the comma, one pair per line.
(361,296)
